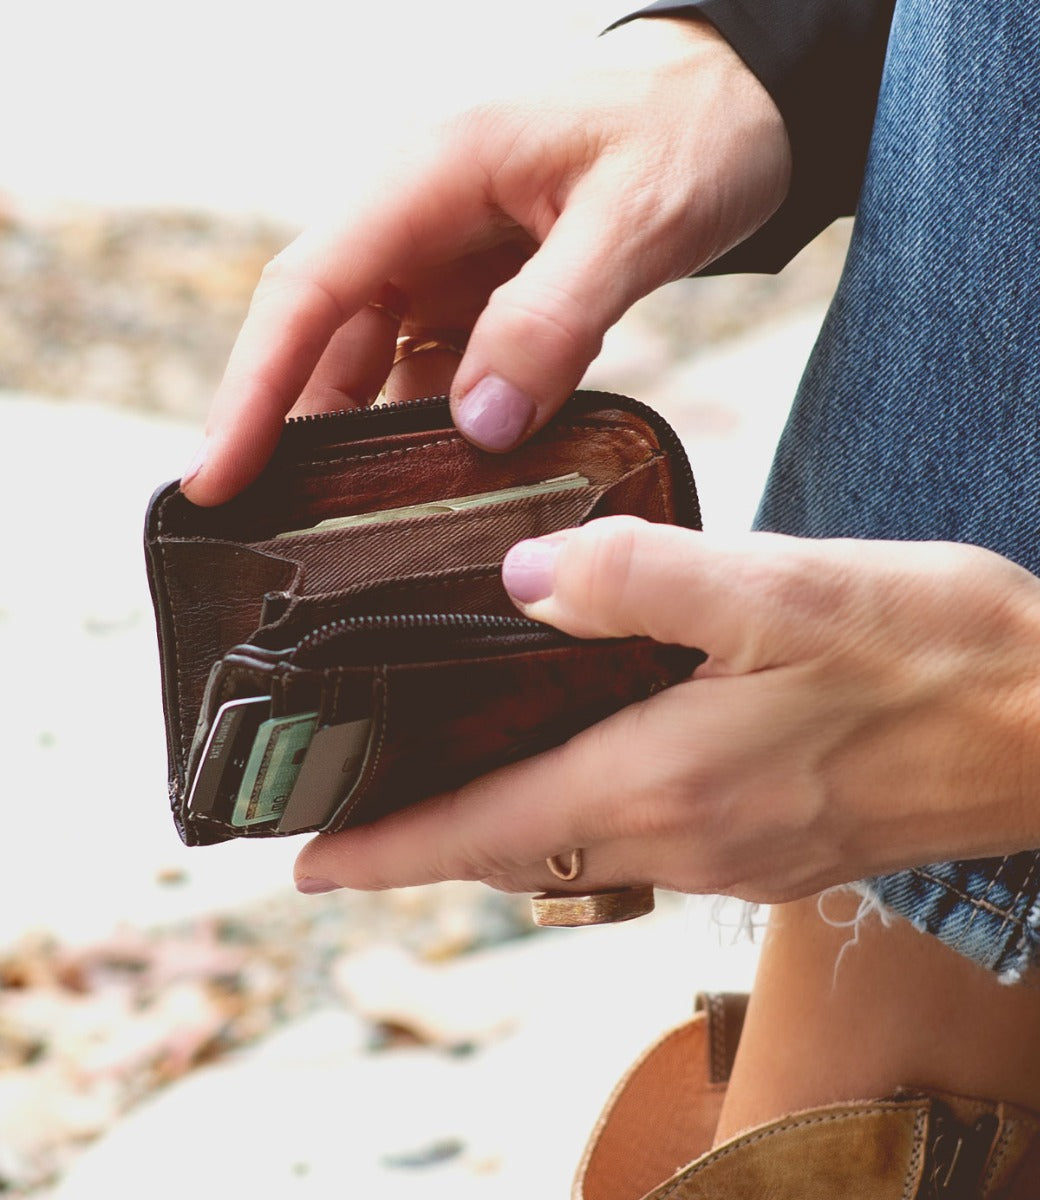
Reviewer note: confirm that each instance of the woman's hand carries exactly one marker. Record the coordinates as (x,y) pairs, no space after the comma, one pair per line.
(521,231)
(865,706)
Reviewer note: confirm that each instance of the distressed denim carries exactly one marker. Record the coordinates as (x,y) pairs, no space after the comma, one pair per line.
(919,413)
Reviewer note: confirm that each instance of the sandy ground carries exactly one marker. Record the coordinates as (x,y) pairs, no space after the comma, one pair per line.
(87,841)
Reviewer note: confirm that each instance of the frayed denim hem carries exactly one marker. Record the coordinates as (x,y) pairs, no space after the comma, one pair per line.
(1028,949)
(987,909)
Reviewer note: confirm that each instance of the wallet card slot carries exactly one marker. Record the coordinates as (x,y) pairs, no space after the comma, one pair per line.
(342,559)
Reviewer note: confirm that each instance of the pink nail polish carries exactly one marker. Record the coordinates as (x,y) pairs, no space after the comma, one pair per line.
(494,414)
(529,570)
(313,887)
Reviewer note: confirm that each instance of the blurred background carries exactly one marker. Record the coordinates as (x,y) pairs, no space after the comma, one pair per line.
(169,1016)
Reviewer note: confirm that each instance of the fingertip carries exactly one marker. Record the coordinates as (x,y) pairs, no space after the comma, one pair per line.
(200,484)
(199,493)
(197,483)
(494,414)
(529,571)
(228,461)
(309,885)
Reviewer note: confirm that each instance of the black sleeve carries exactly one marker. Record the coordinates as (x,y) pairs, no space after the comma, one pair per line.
(821,61)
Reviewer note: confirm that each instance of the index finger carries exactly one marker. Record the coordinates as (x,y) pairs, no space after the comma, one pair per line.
(305,294)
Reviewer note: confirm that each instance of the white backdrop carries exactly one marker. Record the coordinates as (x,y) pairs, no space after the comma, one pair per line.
(242,106)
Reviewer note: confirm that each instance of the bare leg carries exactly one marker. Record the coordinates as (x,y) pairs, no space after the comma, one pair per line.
(901,1010)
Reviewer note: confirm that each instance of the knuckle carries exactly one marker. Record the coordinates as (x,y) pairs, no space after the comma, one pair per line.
(789,581)
(798,592)
(654,815)
(663,803)
(545,323)
(605,562)
(287,282)
(461,853)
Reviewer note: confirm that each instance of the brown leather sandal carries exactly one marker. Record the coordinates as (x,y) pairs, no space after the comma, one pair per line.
(654,1138)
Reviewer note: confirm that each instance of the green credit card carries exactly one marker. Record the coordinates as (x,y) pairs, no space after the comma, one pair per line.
(272,768)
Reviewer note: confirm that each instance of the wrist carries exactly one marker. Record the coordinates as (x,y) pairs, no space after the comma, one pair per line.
(708,83)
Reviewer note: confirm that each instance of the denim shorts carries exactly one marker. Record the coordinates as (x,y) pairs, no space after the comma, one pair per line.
(919,413)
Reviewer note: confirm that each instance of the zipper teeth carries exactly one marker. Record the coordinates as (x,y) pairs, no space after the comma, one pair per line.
(403,622)
(371,410)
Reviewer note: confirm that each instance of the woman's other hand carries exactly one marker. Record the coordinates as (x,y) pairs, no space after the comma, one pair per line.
(865,706)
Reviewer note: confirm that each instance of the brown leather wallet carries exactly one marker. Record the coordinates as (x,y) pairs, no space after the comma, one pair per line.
(336,642)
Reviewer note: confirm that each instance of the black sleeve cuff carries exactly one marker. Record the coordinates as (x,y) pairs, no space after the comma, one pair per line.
(821,61)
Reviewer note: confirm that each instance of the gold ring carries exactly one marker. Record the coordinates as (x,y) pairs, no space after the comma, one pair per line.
(385,308)
(568,873)
(560,910)
(407,346)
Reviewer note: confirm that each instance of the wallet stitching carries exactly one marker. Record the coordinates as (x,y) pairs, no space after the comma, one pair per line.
(455,440)
(402,450)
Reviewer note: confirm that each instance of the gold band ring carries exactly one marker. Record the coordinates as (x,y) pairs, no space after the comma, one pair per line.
(566,873)
(564,910)
(407,346)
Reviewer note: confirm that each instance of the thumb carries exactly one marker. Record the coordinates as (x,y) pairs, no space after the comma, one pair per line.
(740,599)
(542,328)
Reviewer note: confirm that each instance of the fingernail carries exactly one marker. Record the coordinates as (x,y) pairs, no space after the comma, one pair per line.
(529,570)
(494,414)
(195,466)
(313,887)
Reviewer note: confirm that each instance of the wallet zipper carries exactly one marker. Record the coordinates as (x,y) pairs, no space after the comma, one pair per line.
(529,633)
